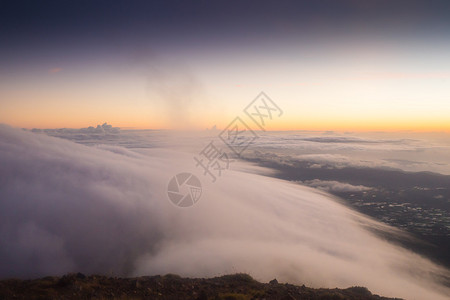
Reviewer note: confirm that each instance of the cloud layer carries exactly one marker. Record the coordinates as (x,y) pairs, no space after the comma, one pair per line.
(336,150)
(69,207)
(335,186)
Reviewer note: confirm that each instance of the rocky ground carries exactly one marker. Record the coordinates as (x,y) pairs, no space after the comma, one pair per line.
(238,286)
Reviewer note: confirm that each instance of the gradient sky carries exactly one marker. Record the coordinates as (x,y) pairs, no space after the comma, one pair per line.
(330,65)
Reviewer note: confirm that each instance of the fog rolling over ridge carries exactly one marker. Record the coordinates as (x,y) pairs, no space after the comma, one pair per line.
(68,207)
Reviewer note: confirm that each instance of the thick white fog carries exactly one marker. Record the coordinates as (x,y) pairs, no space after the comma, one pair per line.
(67,207)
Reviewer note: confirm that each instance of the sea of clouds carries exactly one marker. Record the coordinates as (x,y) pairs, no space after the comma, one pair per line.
(67,207)
(411,152)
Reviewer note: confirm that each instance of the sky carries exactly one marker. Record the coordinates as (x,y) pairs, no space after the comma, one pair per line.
(330,65)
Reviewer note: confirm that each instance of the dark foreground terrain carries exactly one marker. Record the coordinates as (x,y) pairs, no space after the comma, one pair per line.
(238,286)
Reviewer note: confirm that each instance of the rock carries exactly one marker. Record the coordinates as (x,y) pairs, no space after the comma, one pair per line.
(64,281)
(137,284)
(202,296)
(273,281)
